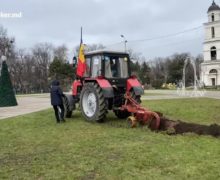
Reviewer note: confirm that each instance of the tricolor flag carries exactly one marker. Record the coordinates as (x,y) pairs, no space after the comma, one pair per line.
(81,66)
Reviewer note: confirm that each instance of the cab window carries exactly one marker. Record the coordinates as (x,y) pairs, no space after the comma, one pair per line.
(87,72)
(96,66)
(116,67)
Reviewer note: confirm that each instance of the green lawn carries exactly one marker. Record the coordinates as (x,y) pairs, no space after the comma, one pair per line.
(35,147)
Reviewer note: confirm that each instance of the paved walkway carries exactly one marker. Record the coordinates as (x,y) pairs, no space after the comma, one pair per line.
(26,105)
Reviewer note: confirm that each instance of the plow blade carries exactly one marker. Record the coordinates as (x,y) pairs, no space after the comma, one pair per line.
(140,114)
(156,122)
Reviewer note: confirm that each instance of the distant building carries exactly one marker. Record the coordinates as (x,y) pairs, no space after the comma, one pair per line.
(210,68)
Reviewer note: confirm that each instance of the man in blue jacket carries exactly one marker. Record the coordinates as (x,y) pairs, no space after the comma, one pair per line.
(56,95)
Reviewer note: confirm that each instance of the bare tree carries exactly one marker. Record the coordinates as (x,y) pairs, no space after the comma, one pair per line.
(60,53)
(6,46)
(199,59)
(93,47)
(4,41)
(42,55)
(89,47)
(17,70)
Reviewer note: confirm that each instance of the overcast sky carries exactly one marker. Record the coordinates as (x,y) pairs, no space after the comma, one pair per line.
(103,21)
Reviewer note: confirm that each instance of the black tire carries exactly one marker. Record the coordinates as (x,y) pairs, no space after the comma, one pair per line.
(122,114)
(126,114)
(135,97)
(92,103)
(67,111)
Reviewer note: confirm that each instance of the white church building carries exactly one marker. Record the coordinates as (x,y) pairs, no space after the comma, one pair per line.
(210,68)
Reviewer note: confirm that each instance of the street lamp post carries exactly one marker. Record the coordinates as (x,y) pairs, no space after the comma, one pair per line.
(125,42)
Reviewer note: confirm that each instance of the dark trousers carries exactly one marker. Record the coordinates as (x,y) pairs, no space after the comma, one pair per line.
(59,115)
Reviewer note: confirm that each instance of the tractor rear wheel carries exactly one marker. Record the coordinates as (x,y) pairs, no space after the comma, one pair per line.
(126,114)
(67,108)
(92,103)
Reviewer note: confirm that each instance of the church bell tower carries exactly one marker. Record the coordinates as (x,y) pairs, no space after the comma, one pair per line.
(210,68)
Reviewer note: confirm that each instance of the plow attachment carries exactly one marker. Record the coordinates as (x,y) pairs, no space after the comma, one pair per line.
(156,122)
(140,114)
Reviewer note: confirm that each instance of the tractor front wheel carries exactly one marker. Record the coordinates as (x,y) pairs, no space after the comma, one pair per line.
(92,103)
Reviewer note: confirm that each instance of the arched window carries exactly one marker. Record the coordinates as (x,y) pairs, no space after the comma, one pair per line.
(213,32)
(213,71)
(213,53)
(213,17)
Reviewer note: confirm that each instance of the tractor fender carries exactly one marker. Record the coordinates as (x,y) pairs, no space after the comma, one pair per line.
(75,86)
(106,88)
(135,85)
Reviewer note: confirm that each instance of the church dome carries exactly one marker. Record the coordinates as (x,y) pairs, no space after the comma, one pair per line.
(214,7)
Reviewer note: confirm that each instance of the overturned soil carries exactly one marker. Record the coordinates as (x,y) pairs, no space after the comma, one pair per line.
(179,127)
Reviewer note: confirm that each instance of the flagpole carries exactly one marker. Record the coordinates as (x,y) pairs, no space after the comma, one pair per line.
(81,40)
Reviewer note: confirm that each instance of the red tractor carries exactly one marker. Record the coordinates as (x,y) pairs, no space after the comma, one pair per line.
(105,83)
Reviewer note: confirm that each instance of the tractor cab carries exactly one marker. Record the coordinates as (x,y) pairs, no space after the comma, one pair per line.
(110,65)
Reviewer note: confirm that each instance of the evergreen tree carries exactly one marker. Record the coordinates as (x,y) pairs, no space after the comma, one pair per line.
(175,67)
(62,72)
(7,96)
(144,73)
